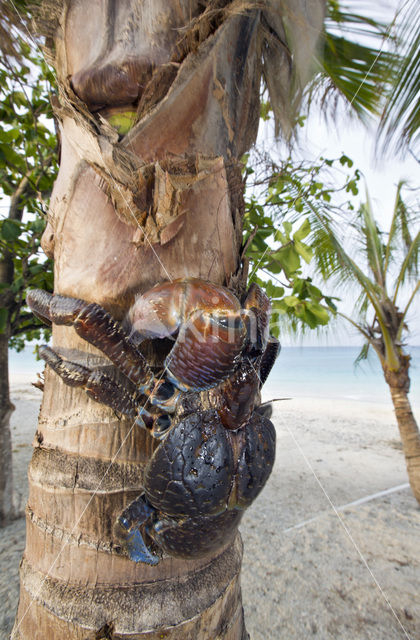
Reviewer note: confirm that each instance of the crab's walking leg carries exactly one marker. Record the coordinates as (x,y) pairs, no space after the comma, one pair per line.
(96,383)
(97,327)
(127,530)
(268,359)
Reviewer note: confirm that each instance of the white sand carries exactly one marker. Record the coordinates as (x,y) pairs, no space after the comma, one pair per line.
(313,567)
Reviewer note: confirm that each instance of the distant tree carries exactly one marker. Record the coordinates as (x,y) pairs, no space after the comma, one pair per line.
(347,247)
(384,267)
(287,244)
(28,164)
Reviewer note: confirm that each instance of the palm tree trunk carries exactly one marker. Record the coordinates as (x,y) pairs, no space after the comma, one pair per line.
(410,436)
(164,203)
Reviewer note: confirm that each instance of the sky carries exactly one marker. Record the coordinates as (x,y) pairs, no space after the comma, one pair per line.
(381,177)
(381,173)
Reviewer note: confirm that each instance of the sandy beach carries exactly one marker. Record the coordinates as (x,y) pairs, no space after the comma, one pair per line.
(332,545)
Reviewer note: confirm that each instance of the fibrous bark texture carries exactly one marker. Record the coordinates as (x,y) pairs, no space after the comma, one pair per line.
(162,202)
(399,385)
(6,409)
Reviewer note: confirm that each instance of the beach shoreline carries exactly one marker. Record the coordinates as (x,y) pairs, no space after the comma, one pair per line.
(331,544)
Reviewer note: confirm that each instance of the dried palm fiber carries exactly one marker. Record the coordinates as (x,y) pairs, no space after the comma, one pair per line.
(289,32)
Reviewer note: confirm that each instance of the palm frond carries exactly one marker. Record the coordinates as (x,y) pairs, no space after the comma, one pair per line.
(371,237)
(398,213)
(409,266)
(400,121)
(362,304)
(363,354)
(354,63)
(406,309)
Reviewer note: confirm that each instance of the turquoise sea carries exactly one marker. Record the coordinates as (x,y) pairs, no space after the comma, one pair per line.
(326,372)
(330,372)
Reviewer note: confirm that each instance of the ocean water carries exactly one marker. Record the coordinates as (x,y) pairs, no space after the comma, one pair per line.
(330,372)
(326,372)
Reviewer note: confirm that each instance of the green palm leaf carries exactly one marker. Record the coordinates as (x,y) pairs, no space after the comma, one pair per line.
(353,65)
(400,122)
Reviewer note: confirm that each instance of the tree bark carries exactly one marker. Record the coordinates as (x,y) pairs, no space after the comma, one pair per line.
(410,436)
(7,511)
(6,409)
(163,202)
(113,237)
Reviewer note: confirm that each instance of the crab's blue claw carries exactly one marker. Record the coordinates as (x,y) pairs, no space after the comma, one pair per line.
(127,529)
(137,549)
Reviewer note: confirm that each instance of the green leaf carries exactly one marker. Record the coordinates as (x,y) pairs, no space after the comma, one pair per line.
(273,291)
(345,160)
(304,250)
(10,230)
(303,231)
(291,301)
(288,228)
(8,154)
(319,312)
(287,258)
(8,136)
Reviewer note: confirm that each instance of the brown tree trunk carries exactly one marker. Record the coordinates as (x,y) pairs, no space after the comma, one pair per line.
(7,302)
(6,406)
(6,409)
(410,436)
(163,202)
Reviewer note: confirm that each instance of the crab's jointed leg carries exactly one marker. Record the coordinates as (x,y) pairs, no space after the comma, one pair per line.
(97,384)
(96,326)
(268,358)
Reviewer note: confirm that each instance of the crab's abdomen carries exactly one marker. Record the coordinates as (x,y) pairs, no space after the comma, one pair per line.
(203,469)
(191,472)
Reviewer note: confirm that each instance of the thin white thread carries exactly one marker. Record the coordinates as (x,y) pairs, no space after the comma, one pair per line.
(349,505)
(258,263)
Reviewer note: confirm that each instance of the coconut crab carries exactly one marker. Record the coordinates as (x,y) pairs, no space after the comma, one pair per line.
(211,462)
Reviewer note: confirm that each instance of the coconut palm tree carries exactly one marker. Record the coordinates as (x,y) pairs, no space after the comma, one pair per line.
(384,268)
(158,102)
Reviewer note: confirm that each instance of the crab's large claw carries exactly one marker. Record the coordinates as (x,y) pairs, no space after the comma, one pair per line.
(206,351)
